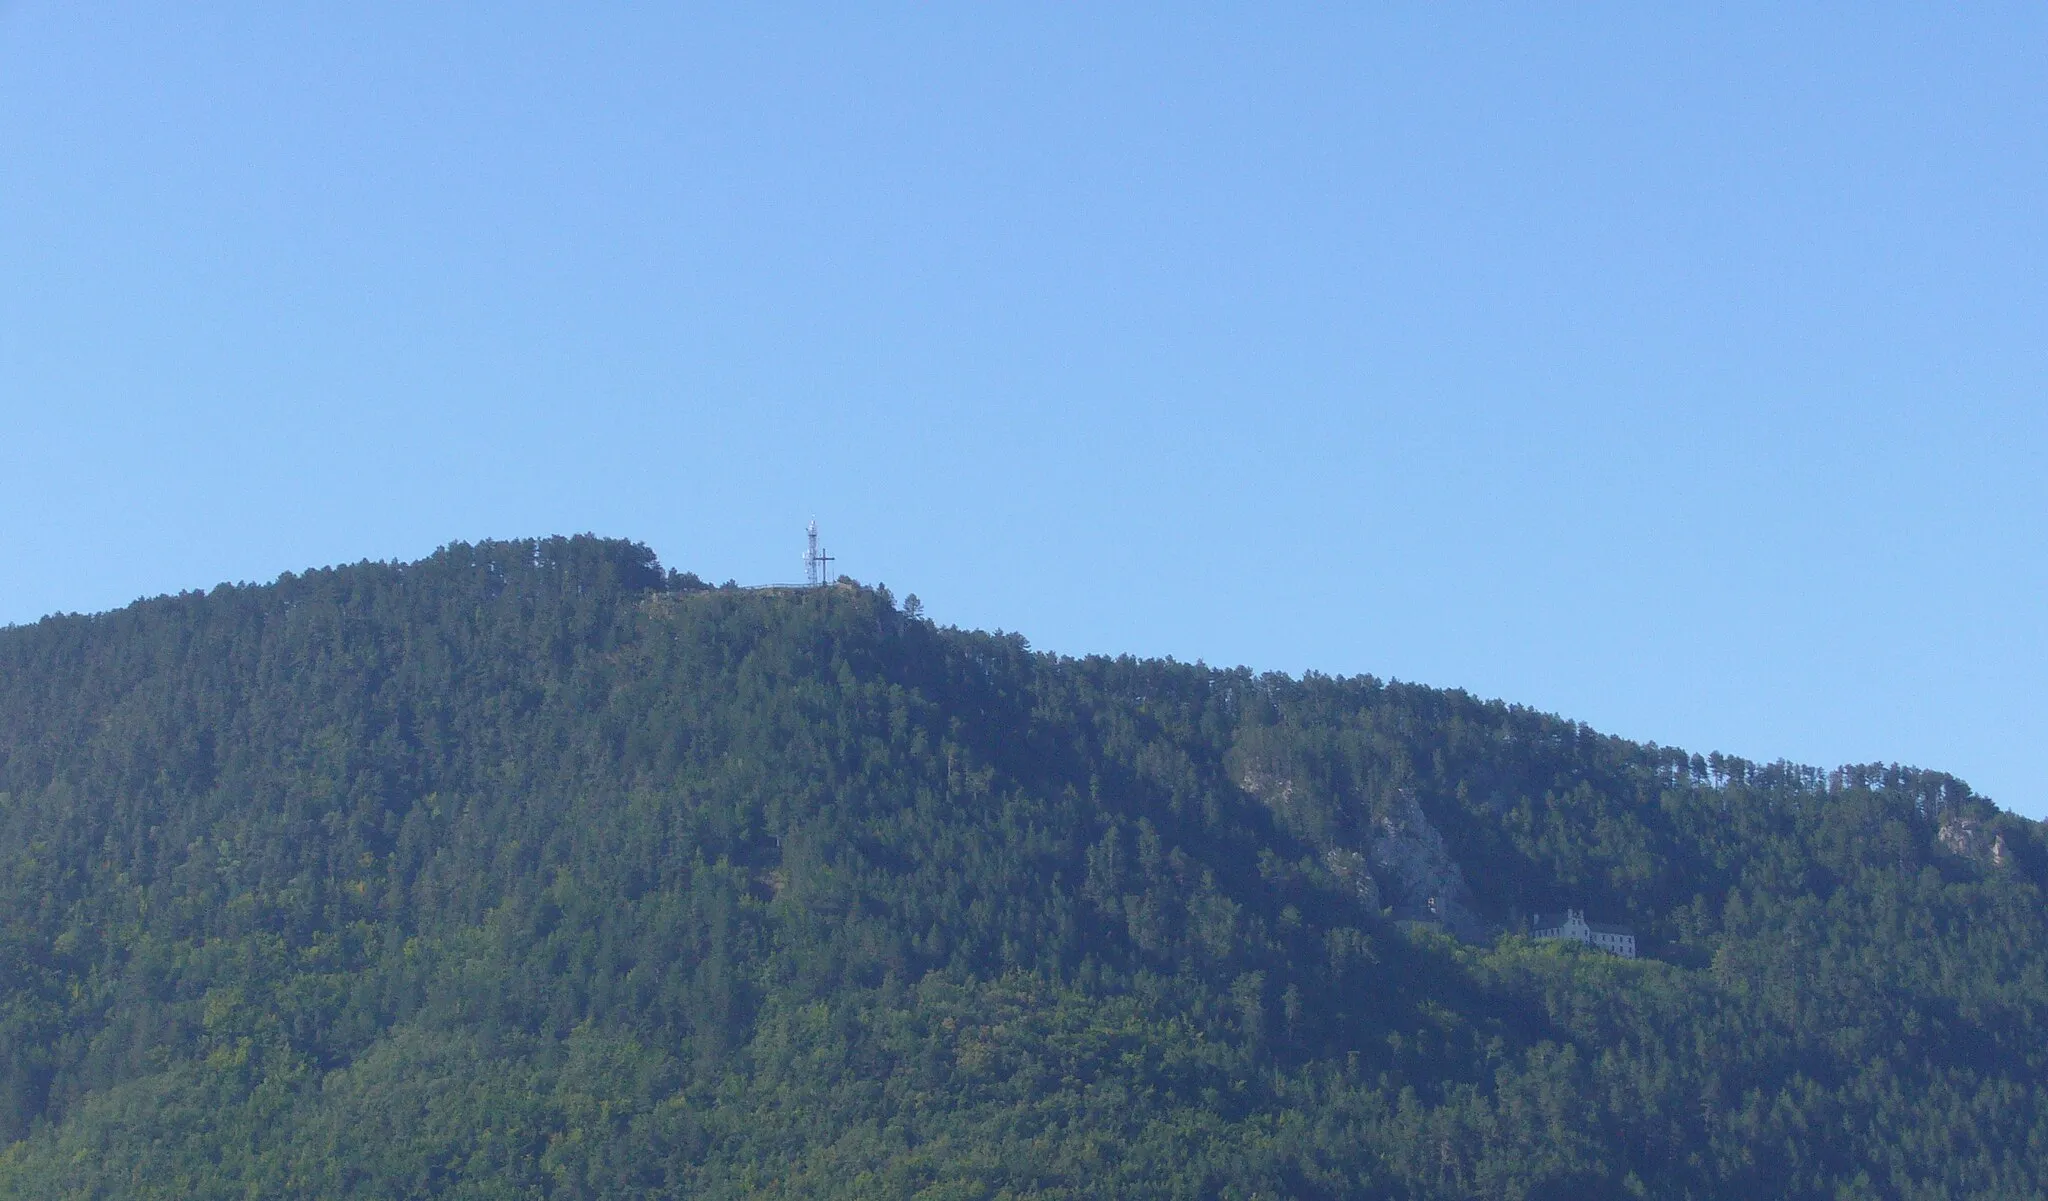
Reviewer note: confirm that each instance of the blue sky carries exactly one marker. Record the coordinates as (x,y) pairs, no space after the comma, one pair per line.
(1682,372)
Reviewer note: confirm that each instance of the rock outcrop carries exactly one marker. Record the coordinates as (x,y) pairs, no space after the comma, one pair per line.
(1398,861)
(1353,871)
(1966,836)
(1416,872)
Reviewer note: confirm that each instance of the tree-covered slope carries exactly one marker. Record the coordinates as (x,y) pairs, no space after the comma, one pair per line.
(532,870)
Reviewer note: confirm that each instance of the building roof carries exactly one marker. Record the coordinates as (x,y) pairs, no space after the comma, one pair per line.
(1554,921)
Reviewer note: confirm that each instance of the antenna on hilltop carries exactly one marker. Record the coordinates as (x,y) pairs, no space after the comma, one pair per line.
(815,559)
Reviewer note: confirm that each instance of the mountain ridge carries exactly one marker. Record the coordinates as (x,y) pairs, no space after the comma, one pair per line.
(620,884)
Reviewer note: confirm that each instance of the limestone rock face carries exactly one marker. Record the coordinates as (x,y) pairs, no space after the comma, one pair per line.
(1966,836)
(1413,866)
(1398,861)
(1351,867)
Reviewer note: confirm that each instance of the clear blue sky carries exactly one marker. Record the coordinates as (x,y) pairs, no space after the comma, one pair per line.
(1684,373)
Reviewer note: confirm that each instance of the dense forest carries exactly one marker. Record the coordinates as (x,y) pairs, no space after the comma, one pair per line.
(535,870)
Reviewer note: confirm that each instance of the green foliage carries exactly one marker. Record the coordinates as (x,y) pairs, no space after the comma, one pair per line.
(530,870)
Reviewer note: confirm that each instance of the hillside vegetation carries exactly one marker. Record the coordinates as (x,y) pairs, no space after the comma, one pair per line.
(532,870)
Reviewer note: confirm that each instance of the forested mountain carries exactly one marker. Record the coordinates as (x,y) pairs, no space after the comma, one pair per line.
(531,869)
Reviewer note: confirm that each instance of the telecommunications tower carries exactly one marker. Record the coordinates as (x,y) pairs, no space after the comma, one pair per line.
(815,559)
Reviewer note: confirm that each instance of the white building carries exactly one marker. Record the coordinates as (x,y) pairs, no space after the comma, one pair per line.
(1615,940)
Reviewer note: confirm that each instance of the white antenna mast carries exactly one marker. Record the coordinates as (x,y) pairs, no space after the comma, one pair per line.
(815,559)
